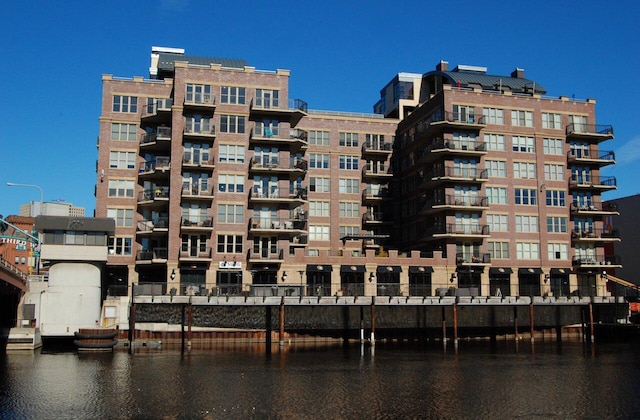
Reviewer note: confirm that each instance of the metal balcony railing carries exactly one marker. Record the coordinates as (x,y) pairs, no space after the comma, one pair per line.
(377,147)
(194,221)
(154,193)
(594,207)
(202,129)
(591,153)
(195,252)
(475,258)
(157,106)
(581,260)
(595,233)
(266,254)
(593,180)
(200,99)
(189,158)
(453,200)
(277,223)
(601,129)
(469,173)
(160,163)
(152,254)
(460,229)
(148,225)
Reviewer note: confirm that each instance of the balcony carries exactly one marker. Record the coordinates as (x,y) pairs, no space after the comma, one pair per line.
(152,256)
(296,139)
(191,161)
(592,132)
(379,170)
(457,174)
(453,202)
(293,197)
(592,182)
(266,255)
(458,230)
(199,101)
(374,218)
(293,167)
(591,156)
(595,208)
(441,148)
(156,112)
(156,168)
(157,140)
(475,259)
(377,149)
(195,254)
(379,194)
(299,241)
(292,110)
(154,196)
(442,120)
(595,235)
(158,225)
(277,225)
(196,223)
(197,192)
(201,131)
(597,261)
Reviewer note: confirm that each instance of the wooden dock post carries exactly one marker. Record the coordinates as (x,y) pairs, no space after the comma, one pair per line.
(132,325)
(592,337)
(362,324)
(455,323)
(444,327)
(267,319)
(281,325)
(189,323)
(515,322)
(184,308)
(373,320)
(531,321)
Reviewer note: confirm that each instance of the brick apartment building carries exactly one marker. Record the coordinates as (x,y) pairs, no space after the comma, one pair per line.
(221,182)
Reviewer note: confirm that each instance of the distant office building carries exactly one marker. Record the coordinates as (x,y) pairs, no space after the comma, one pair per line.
(20,253)
(627,224)
(220,182)
(52,208)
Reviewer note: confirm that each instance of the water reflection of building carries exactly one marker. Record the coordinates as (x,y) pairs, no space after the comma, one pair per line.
(220,182)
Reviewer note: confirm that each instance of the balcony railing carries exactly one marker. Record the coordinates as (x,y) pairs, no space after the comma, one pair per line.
(257,192)
(596,260)
(199,129)
(453,200)
(376,216)
(594,207)
(377,170)
(277,223)
(592,153)
(192,190)
(377,147)
(152,254)
(599,129)
(160,163)
(469,145)
(277,104)
(369,193)
(595,233)
(593,181)
(274,162)
(147,225)
(195,252)
(161,133)
(157,106)
(450,117)
(266,254)
(194,221)
(460,229)
(189,158)
(153,194)
(472,173)
(200,99)
(475,258)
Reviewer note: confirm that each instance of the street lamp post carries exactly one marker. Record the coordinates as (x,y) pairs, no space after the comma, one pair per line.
(14,184)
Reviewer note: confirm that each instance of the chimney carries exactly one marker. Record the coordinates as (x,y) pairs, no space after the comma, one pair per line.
(443,66)
(518,73)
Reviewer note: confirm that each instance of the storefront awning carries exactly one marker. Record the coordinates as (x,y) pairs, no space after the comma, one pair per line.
(470,270)
(529,271)
(496,271)
(353,269)
(560,271)
(420,269)
(388,269)
(319,268)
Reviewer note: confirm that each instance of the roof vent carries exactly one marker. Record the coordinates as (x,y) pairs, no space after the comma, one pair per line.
(518,73)
(470,69)
(442,66)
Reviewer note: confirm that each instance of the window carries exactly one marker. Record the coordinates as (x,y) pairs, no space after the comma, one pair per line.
(526,223)
(553,146)
(318,233)
(266,98)
(121,188)
(349,139)
(524,170)
(550,120)
(230,244)
(232,95)
(317,184)
(349,186)
(319,208)
(232,124)
(464,141)
(123,132)
(349,162)
(497,195)
(554,172)
(196,153)
(499,250)
(198,94)
(493,116)
(496,168)
(349,209)
(558,251)
(319,161)
(122,160)
(125,104)
(523,144)
(555,198)
(526,196)
(231,153)
(578,123)
(319,138)
(556,224)
(231,183)
(375,141)
(464,113)
(74,238)
(123,217)
(522,118)
(497,223)
(267,128)
(230,213)
(119,246)
(527,251)
(494,142)
(349,231)
(95,238)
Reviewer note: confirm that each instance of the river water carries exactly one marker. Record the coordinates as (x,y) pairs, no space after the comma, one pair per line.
(476,380)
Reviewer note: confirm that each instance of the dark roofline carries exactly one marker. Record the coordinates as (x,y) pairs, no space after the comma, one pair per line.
(489,82)
(78,224)
(166,61)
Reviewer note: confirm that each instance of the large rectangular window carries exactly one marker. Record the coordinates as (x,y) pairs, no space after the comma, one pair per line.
(496,168)
(319,161)
(558,251)
(123,132)
(125,104)
(120,245)
(525,223)
(498,250)
(349,209)
(231,183)
(349,231)
(122,160)
(319,233)
(232,95)
(319,138)
(493,116)
(230,213)
(524,170)
(198,94)
(554,172)
(555,198)
(349,162)
(232,123)
(319,208)
(527,251)
(121,188)
(497,223)
(231,153)
(522,118)
(523,144)
(551,120)
(556,224)
(349,186)
(526,196)
(497,195)
(553,146)
(494,142)
(349,139)
(319,184)
(123,217)
(229,244)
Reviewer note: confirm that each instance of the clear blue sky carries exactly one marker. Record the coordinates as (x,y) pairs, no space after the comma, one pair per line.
(340,53)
